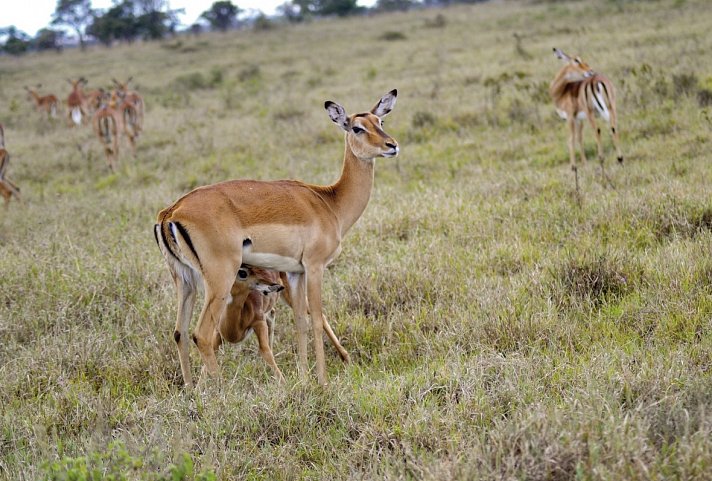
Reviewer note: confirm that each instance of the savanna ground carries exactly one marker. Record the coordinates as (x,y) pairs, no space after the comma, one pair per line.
(498,330)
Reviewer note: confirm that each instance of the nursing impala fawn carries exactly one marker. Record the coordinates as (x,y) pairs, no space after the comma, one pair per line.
(579,93)
(285,225)
(253,297)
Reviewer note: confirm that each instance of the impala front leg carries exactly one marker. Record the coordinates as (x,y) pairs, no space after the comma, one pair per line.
(314,279)
(217,295)
(297,294)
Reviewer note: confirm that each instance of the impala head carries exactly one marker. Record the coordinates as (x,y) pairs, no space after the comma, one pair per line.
(257,279)
(77,83)
(576,69)
(364,131)
(123,86)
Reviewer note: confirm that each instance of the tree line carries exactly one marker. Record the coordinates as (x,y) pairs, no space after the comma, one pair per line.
(131,20)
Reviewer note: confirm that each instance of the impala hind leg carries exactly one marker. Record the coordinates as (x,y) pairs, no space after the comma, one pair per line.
(570,122)
(217,283)
(343,353)
(186,302)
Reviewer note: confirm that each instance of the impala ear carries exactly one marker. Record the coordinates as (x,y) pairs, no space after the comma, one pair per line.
(386,104)
(561,55)
(337,114)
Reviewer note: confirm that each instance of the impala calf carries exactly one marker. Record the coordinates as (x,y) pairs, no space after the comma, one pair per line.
(579,93)
(43,103)
(253,297)
(285,225)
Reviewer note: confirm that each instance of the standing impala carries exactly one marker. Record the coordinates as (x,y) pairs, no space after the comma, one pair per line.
(285,225)
(76,103)
(579,93)
(7,188)
(43,103)
(107,122)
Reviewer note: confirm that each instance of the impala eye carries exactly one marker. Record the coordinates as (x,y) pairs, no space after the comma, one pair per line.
(357,130)
(242,274)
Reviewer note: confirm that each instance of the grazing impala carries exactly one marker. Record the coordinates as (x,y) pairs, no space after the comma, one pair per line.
(285,225)
(43,103)
(579,93)
(106,122)
(7,188)
(76,103)
(253,297)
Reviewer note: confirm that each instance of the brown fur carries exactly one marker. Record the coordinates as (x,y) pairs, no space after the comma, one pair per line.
(7,188)
(76,100)
(285,225)
(132,98)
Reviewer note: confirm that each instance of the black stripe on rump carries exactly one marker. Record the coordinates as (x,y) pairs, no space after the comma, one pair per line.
(601,108)
(165,243)
(185,235)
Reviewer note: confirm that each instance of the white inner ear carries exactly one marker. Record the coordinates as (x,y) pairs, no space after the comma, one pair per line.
(338,115)
(385,105)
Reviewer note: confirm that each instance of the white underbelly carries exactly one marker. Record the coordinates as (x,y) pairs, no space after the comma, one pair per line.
(271,261)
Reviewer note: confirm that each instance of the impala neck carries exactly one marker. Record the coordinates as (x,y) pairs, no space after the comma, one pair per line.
(352,191)
(559,84)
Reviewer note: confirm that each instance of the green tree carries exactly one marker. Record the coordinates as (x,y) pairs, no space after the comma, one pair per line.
(221,15)
(326,7)
(76,14)
(17,42)
(48,39)
(393,5)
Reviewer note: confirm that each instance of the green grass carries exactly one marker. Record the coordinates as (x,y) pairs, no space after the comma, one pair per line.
(498,330)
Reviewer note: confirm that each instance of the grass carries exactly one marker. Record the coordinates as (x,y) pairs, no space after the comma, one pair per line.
(498,330)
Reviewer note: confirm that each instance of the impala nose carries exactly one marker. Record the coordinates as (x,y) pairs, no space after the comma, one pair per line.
(391,145)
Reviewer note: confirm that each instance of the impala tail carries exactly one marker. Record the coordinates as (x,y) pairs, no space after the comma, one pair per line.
(177,248)
(77,115)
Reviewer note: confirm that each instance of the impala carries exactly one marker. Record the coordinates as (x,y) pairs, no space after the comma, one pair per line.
(7,188)
(253,297)
(130,124)
(285,225)
(76,104)
(43,103)
(131,97)
(579,93)
(106,122)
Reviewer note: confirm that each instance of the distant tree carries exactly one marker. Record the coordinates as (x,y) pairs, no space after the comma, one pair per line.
(196,29)
(337,7)
(76,14)
(221,15)
(117,23)
(290,11)
(327,7)
(17,43)
(393,5)
(48,39)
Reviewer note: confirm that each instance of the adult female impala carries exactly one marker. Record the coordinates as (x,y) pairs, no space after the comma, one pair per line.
(579,93)
(285,225)
(76,103)
(131,97)
(43,103)
(107,122)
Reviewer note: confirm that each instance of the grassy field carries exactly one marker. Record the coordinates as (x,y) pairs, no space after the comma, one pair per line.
(498,330)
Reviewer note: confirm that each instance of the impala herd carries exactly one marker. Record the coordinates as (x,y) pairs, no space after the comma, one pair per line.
(245,241)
